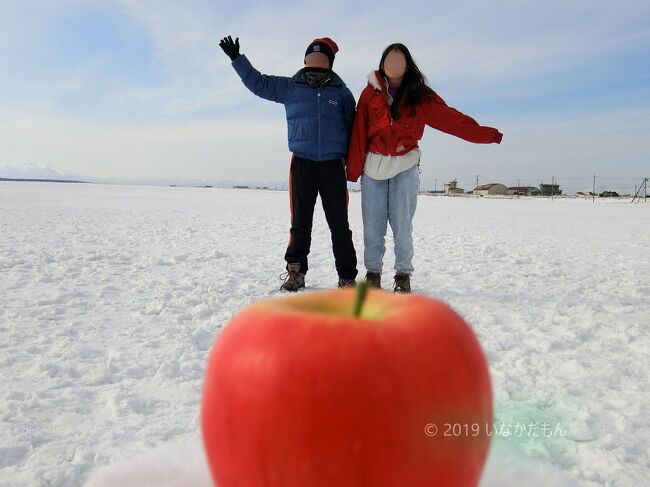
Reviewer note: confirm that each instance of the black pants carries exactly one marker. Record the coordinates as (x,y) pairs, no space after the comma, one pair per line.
(308,179)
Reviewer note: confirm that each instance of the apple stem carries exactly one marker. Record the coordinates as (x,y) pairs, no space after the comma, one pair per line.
(362,291)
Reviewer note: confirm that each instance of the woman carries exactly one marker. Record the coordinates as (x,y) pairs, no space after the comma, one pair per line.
(391,114)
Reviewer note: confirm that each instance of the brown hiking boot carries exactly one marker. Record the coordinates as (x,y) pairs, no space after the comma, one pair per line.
(402,283)
(373,279)
(343,283)
(293,279)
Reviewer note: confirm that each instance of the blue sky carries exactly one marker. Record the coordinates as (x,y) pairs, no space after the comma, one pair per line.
(140,88)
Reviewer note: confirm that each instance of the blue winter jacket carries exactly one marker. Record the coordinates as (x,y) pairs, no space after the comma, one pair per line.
(319,119)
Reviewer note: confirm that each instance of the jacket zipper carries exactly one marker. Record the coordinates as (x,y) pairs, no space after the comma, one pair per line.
(319,125)
(390,115)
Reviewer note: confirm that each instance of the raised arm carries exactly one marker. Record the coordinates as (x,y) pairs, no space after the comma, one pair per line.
(442,117)
(273,88)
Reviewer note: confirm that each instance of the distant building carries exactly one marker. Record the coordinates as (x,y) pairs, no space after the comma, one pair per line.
(550,189)
(609,194)
(241,187)
(452,188)
(490,189)
(523,191)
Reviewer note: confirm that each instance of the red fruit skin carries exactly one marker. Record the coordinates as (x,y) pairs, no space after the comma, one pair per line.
(305,399)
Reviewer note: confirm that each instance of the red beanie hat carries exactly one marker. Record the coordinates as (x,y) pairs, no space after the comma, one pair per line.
(325,45)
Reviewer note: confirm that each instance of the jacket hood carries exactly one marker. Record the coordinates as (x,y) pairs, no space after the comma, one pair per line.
(376,80)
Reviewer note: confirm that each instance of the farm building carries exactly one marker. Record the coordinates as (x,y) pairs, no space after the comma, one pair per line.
(452,188)
(490,189)
(523,191)
(550,189)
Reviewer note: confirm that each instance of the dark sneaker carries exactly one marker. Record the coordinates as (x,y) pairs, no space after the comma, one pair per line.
(293,279)
(373,279)
(402,283)
(347,283)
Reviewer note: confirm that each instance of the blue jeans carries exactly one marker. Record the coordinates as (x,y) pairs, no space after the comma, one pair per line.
(392,200)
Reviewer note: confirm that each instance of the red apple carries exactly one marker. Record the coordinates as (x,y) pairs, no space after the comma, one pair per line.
(300,392)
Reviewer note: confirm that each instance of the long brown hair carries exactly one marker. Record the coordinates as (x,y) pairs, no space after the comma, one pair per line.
(414,89)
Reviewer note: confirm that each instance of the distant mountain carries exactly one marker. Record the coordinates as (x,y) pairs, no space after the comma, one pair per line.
(33,171)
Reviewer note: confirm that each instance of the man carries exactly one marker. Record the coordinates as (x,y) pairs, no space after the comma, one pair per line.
(320,113)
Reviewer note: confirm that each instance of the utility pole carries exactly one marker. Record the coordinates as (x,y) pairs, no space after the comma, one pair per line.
(477,180)
(435,185)
(644,187)
(518,188)
(593,191)
(552,187)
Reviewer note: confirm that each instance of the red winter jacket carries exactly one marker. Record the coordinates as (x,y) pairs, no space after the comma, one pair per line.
(375,130)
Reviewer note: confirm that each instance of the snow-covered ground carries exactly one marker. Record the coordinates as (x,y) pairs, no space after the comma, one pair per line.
(111,296)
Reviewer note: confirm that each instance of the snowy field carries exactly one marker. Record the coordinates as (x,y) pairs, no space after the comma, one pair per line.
(110,297)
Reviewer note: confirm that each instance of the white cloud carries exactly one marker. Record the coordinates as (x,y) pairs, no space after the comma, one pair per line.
(506,50)
(220,150)
(467,46)
(185,41)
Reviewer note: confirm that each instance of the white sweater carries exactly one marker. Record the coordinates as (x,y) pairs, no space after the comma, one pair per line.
(382,167)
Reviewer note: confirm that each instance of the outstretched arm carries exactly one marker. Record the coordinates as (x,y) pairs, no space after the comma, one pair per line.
(265,86)
(449,120)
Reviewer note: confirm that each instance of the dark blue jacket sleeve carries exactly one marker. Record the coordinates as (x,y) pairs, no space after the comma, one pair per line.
(265,86)
(348,109)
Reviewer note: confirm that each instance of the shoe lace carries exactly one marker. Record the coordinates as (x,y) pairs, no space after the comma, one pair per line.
(400,282)
(288,276)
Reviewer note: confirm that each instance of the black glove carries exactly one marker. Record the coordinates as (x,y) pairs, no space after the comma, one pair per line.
(230,48)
